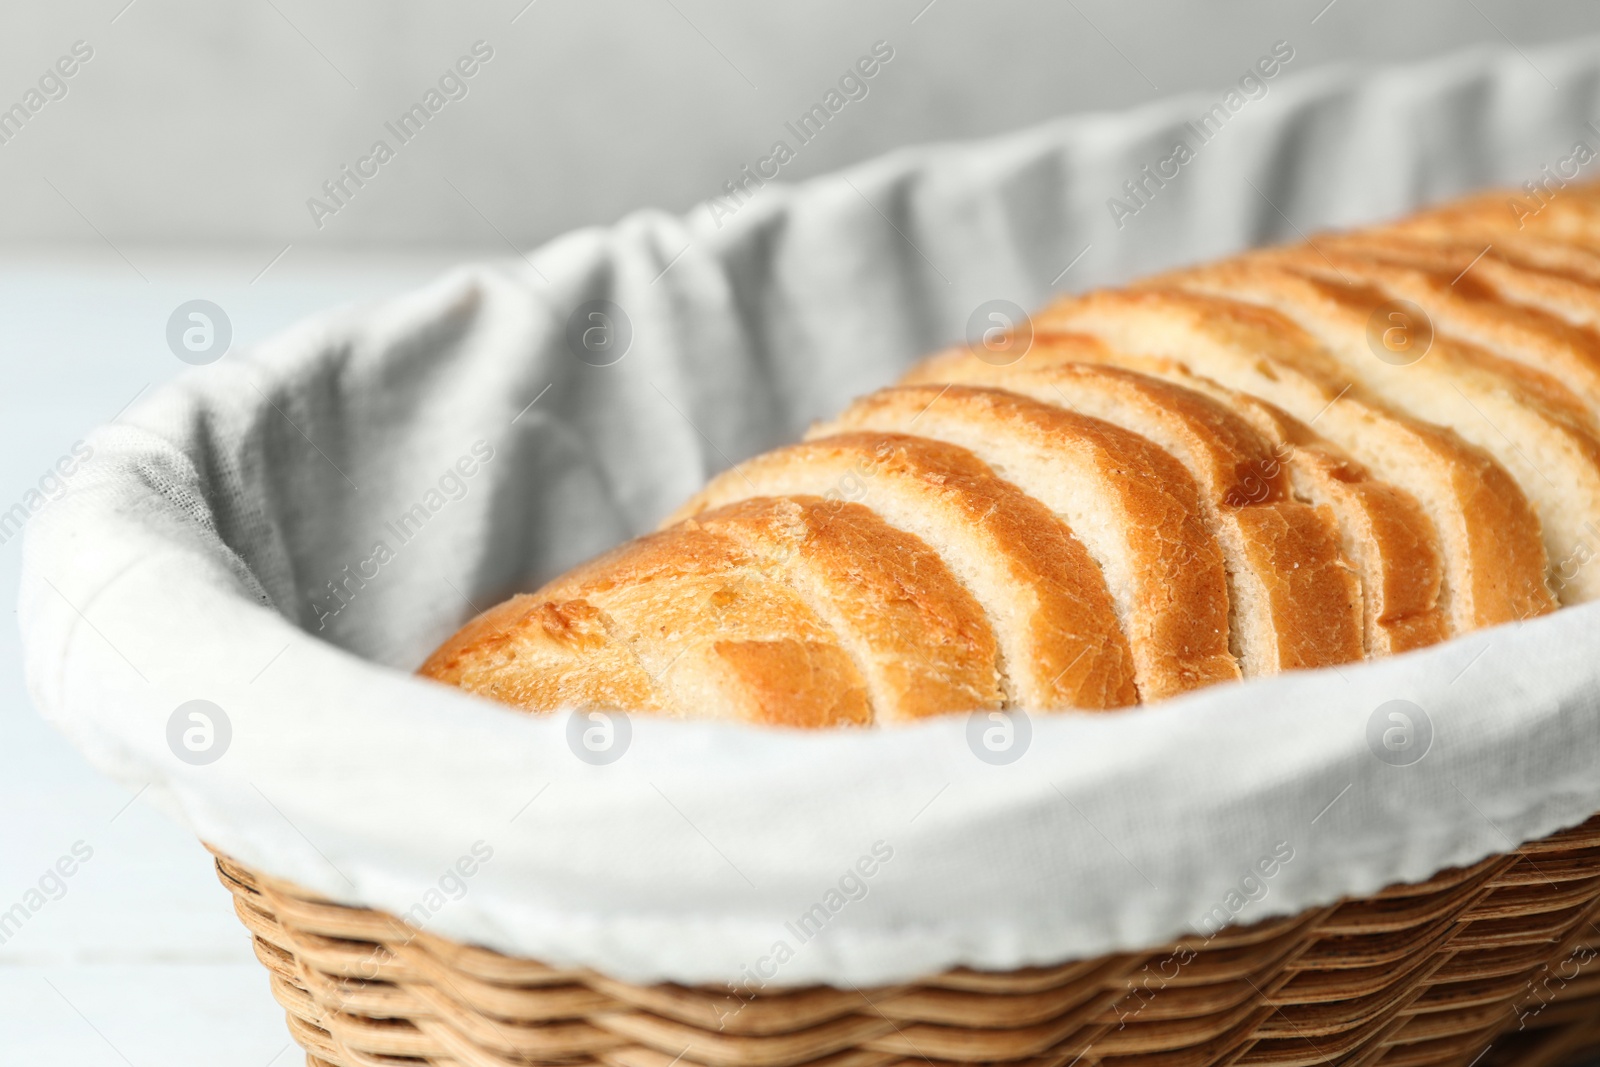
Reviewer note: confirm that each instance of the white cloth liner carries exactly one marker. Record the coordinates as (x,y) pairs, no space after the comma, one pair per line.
(189,556)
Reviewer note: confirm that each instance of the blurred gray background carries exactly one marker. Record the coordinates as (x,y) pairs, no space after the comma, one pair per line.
(177,165)
(212,123)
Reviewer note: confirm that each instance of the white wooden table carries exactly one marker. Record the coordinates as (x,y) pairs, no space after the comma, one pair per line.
(140,961)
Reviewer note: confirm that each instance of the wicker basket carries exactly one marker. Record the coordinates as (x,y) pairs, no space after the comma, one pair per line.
(1485,965)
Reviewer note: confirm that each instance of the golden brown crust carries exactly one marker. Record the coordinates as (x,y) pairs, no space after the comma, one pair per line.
(918,637)
(719,634)
(1144,523)
(1495,563)
(540,654)
(1560,279)
(1552,275)
(1534,427)
(1383,530)
(1295,600)
(1569,215)
(1162,321)
(1061,646)
(1561,362)
(786,681)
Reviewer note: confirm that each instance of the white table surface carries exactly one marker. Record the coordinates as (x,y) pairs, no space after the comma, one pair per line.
(142,961)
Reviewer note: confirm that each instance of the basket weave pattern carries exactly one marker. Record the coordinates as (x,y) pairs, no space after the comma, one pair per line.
(1491,964)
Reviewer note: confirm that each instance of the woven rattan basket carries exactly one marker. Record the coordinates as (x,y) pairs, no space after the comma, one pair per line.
(1486,965)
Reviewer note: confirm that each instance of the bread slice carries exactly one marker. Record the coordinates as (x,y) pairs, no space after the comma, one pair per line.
(1136,510)
(919,639)
(1295,602)
(1477,228)
(1563,360)
(1531,427)
(1526,266)
(1060,642)
(1559,279)
(1495,563)
(1569,215)
(720,635)
(681,622)
(1382,530)
(540,654)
